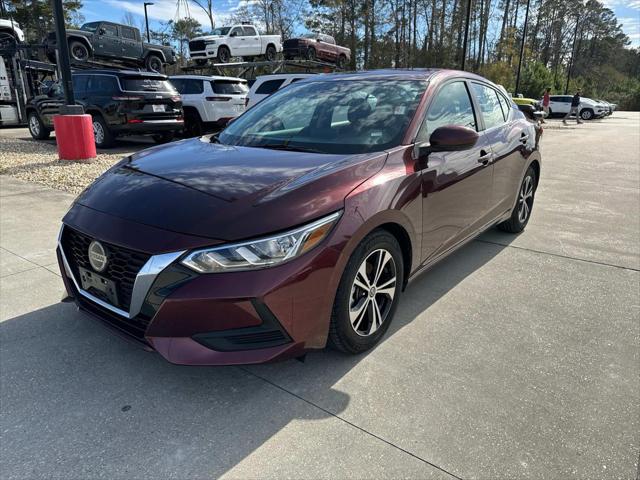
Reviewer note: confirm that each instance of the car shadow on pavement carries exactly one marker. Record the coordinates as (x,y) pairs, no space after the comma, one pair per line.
(79,402)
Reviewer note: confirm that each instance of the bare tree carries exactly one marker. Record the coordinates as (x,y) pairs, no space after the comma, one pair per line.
(207,7)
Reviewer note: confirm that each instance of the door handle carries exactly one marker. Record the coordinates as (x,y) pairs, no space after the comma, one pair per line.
(485,157)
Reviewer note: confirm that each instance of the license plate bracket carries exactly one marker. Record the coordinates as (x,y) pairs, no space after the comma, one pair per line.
(158,108)
(91,280)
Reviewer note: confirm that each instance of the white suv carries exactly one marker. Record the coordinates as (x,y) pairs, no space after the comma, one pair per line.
(561,105)
(209,102)
(265,85)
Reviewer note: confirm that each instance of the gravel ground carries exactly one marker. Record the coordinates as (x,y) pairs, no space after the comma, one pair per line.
(38,162)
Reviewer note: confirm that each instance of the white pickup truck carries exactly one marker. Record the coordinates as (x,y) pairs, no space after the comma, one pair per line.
(235,41)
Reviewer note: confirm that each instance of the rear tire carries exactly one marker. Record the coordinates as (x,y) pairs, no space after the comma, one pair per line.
(521,213)
(270,53)
(37,129)
(193,126)
(368,295)
(342,62)
(103,136)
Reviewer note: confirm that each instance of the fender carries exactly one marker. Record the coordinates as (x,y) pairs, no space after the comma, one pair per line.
(82,39)
(160,53)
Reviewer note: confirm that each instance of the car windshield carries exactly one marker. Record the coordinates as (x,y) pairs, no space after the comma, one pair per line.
(356,116)
(220,31)
(141,84)
(90,27)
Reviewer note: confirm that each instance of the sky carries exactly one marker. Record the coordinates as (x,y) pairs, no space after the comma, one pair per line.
(627,12)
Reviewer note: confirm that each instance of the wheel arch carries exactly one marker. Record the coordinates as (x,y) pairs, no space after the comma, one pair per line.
(404,240)
(158,53)
(81,39)
(535,164)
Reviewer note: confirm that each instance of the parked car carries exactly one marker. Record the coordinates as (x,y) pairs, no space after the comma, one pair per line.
(607,106)
(536,104)
(317,46)
(10,32)
(265,85)
(113,42)
(121,103)
(589,109)
(304,220)
(209,102)
(236,41)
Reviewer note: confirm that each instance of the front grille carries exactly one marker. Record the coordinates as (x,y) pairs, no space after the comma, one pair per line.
(257,338)
(122,266)
(196,45)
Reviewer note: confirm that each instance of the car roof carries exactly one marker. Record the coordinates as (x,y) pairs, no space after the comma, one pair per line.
(207,77)
(403,74)
(121,73)
(279,76)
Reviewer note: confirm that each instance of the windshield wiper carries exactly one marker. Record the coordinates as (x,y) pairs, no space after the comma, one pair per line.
(287,147)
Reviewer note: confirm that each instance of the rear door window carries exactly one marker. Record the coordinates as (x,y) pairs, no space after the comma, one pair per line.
(452,106)
(229,87)
(489,105)
(79,85)
(102,85)
(141,84)
(110,30)
(128,33)
(250,32)
(270,86)
(188,86)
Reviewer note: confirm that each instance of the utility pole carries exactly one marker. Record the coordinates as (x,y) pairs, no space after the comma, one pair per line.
(466,35)
(63,54)
(573,48)
(146,19)
(524,38)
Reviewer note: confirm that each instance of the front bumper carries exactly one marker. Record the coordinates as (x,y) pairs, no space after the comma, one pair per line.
(210,51)
(216,319)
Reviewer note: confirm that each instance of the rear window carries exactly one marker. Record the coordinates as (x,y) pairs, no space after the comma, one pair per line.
(188,86)
(270,86)
(229,87)
(141,84)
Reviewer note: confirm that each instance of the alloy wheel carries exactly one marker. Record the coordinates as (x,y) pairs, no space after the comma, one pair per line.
(78,52)
(372,292)
(525,199)
(34,125)
(98,132)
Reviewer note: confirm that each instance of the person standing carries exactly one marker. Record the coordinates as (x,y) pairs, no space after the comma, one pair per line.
(575,108)
(546,99)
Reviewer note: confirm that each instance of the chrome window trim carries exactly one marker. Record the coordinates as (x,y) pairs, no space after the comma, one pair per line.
(141,286)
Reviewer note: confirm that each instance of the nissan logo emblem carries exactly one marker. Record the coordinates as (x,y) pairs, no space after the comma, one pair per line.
(97,256)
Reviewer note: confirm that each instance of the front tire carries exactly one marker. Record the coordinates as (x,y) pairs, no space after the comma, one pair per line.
(78,51)
(224,55)
(37,129)
(522,211)
(586,114)
(101,133)
(153,63)
(368,294)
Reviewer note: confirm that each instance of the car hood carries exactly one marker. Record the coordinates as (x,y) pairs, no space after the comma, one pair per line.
(225,192)
(208,37)
(79,32)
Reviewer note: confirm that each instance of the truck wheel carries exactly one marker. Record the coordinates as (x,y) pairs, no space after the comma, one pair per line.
(224,55)
(78,51)
(311,53)
(342,62)
(37,128)
(270,53)
(101,133)
(153,63)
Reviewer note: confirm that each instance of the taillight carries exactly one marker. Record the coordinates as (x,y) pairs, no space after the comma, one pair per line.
(126,98)
(134,120)
(218,99)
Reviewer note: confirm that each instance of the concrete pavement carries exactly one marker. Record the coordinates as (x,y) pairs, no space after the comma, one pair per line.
(517,357)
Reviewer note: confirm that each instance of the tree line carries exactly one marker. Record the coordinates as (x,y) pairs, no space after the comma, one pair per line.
(579,38)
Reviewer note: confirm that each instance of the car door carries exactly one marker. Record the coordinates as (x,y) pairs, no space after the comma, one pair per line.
(507,139)
(235,41)
(130,43)
(252,42)
(557,104)
(108,44)
(457,186)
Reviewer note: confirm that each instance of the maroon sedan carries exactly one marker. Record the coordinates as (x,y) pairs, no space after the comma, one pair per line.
(302,222)
(317,46)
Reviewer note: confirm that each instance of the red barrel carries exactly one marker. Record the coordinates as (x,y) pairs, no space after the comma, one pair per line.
(74,136)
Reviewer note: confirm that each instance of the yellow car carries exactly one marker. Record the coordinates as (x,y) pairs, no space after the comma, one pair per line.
(536,104)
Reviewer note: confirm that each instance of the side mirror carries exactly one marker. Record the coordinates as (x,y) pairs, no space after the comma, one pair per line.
(452,138)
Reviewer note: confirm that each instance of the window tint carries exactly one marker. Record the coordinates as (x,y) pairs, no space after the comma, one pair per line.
(110,30)
(102,85)
(506,107)
(79,84)
(489,105)
(229,87)
(452,106)
(188,86)
(128,33)
(250,32)
(270,86)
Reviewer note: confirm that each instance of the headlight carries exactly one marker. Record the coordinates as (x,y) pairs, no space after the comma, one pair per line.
(210,42)
(262,252)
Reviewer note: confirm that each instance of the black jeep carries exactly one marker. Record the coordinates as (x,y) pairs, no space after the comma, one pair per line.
(121,103)
(113,42)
